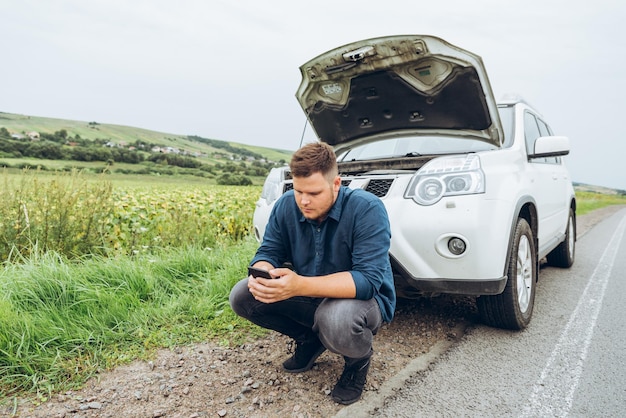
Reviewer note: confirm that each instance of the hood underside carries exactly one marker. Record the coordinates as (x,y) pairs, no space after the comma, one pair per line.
(398,85)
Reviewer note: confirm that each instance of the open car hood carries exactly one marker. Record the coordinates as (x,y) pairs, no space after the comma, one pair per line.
(398,85)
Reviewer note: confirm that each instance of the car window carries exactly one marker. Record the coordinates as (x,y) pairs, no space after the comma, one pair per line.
(531,133)
(545,130)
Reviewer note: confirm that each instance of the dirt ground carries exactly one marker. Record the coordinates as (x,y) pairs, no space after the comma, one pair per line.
(208,380)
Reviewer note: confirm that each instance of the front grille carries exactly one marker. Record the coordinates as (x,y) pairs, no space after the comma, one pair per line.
(378,187)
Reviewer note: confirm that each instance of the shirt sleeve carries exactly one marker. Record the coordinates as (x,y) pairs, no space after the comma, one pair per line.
(273,248)
(370,258)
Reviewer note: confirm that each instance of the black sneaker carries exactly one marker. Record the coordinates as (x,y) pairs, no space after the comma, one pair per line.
(304,356)
(351,383)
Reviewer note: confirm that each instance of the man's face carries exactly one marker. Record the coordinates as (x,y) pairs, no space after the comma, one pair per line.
(315,195)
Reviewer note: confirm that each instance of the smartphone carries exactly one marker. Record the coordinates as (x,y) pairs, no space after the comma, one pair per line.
(255,272)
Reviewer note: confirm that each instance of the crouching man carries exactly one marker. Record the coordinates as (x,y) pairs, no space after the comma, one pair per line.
(340,290)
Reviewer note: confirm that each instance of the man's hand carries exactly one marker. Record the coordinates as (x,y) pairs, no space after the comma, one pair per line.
(287,284)
(283,286)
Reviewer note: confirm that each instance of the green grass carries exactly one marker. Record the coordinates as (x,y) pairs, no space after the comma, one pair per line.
(590,201)
(62,321)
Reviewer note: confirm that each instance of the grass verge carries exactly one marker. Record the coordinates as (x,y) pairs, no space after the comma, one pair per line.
(62,321)
(590,201)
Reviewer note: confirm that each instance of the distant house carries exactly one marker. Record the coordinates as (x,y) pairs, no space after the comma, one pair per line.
(171,150)
(17,136)
(34,136)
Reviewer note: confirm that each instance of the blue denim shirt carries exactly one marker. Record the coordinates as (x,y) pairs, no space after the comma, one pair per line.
(354,237)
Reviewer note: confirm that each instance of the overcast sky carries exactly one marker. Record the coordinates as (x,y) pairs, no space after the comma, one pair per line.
(229,69)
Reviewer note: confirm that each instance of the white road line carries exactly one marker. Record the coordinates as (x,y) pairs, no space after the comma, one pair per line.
(553,393)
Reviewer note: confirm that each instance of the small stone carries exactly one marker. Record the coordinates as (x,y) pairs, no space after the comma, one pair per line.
(94,405)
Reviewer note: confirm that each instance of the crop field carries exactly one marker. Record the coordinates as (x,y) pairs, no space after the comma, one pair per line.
(78,215)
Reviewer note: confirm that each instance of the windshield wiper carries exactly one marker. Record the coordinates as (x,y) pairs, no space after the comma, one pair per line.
(412,154)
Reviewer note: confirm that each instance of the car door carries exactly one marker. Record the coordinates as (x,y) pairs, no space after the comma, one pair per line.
(547,185)
(562,179)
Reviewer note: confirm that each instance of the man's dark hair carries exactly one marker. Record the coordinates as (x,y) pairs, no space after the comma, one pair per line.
(316,157)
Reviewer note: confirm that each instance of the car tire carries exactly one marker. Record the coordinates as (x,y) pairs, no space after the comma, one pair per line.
(513,308)
(563,254)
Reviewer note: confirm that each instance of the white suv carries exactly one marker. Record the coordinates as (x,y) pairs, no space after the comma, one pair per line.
(477,192)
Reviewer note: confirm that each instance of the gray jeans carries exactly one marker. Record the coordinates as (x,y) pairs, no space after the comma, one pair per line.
(345,326)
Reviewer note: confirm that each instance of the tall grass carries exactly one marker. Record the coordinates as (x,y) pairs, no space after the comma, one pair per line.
(61,321)
(63,213)
(74,215)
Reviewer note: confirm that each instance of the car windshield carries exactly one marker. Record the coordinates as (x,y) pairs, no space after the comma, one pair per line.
(408,146)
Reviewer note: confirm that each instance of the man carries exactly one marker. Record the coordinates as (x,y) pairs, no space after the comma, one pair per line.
(339,288)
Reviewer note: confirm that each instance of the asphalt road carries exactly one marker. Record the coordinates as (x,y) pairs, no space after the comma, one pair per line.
(571,360)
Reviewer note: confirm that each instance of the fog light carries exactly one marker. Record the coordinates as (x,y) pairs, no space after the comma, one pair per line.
(456,246)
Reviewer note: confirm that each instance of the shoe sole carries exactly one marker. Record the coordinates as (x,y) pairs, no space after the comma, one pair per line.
(309,365)
(346,401)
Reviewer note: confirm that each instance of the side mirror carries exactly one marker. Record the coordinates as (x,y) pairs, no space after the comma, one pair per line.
(550,146)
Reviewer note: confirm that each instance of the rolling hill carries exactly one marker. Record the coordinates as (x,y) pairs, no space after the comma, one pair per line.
(92,130)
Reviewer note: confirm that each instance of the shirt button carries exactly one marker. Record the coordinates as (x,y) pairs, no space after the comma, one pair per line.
(318,230)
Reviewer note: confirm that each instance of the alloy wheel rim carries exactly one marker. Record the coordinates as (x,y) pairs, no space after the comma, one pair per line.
(524,273)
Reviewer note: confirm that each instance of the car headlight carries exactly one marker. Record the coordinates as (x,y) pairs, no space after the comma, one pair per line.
(446,176)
